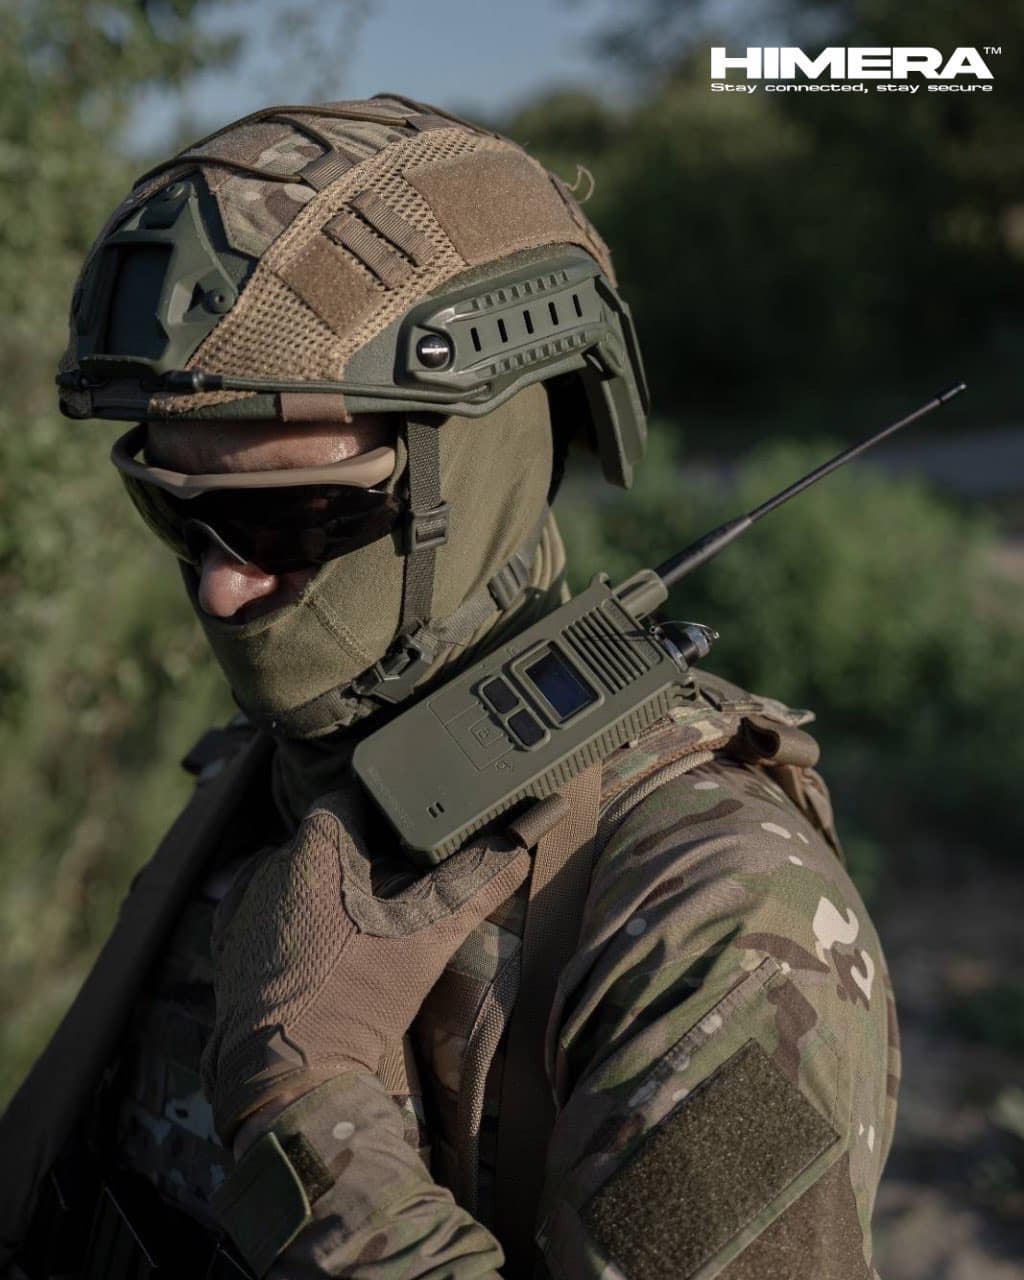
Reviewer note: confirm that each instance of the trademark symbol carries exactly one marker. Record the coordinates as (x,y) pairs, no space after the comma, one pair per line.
(993,49)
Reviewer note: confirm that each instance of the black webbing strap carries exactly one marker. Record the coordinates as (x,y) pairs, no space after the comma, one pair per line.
(427,527)
(558,889)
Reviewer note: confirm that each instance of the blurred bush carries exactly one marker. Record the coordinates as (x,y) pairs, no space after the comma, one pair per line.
(103,679)
(106,681)
(779,249)
(994,1015)
(868,599)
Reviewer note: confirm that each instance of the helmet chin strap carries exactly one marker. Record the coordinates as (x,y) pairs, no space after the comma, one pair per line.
(428,522)
(421,641)
(412,653)
(409,658)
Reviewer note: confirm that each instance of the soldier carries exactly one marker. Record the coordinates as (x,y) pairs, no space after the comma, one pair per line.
(358,341)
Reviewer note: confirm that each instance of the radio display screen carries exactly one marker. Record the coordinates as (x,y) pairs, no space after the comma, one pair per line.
(563,688)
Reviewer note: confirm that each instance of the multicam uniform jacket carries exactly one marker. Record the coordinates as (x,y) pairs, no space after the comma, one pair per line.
(722,1050)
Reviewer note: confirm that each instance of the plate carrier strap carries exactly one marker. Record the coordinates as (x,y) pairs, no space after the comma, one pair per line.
(558,888)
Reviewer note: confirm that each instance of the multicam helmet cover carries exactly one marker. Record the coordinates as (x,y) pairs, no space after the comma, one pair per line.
(314,261)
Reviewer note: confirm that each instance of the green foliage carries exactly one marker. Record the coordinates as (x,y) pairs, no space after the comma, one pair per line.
(869,600)
(103,678)
(777,247)
(993,1016)
(68,72)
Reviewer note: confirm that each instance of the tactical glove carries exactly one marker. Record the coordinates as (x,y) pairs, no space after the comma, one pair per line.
(315,976)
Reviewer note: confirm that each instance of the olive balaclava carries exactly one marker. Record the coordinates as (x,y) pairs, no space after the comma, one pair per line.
(293,669)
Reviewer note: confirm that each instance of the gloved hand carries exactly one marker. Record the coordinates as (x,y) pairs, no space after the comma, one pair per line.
(314,976)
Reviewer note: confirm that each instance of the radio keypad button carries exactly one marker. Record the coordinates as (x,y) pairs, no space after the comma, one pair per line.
(527,729)
(500,695)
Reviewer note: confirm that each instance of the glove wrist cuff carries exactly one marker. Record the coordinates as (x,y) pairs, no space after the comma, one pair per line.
(256,1074)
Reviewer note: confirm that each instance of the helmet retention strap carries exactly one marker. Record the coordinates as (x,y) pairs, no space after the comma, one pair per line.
(428,521)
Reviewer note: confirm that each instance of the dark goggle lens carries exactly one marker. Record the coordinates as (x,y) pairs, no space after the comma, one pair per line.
(280,530)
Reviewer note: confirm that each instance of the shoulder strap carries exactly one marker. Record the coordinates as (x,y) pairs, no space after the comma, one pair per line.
(725,718)
(558,887)
(43,1112)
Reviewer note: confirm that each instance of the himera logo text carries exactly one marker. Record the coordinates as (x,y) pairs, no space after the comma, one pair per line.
(897,66)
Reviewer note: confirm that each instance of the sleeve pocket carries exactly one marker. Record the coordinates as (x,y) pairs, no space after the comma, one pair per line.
(725,1131)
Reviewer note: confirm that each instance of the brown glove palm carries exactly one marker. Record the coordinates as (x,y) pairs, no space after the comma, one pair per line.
(315,976)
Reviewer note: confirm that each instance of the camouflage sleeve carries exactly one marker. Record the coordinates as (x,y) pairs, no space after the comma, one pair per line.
(371,1210)
(723,1047)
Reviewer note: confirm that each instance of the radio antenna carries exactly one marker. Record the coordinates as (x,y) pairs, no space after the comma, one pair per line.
(697,553)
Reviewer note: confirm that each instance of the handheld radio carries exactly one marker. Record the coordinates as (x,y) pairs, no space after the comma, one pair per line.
(556,698)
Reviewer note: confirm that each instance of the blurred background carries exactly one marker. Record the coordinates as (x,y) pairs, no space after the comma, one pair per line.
(802,270)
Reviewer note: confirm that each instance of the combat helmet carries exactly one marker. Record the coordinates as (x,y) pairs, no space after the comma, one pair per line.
(312,262)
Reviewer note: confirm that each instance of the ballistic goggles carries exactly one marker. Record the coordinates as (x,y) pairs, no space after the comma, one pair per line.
(282,521)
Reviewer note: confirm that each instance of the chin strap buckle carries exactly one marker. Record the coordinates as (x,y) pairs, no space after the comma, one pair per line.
(393,678)
(428,528)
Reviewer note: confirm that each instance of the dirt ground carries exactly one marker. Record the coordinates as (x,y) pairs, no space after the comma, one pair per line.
(952,1203)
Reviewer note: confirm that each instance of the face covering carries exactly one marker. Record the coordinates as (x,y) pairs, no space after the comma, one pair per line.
(292,669)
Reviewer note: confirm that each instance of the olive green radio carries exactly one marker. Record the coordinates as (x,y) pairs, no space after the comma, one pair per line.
(557,697)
